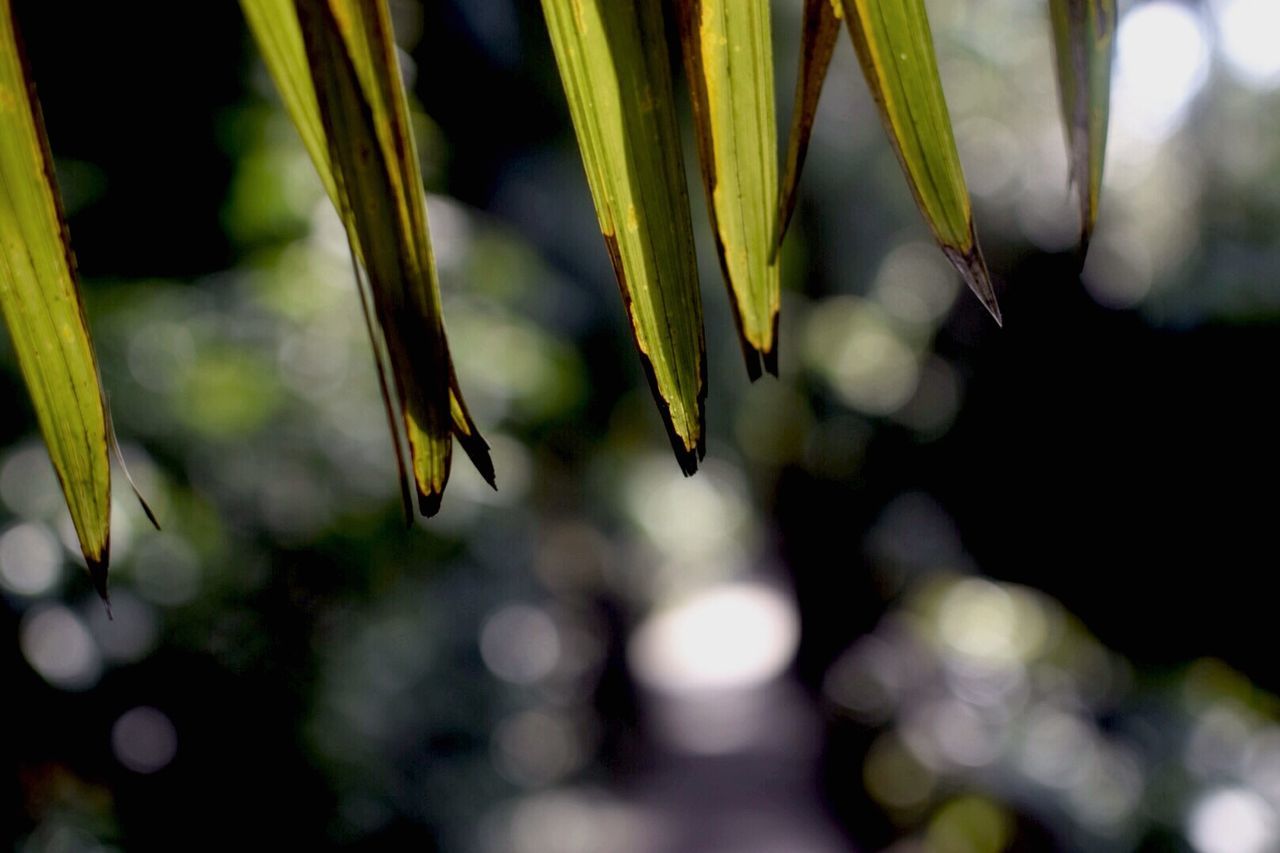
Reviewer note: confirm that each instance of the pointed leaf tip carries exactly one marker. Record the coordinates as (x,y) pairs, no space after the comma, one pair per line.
(614,64)
(728,59)
(972,267)
(42,307)
(342,87)
(1083,41)
(895,49)
(98,577)
(819,34)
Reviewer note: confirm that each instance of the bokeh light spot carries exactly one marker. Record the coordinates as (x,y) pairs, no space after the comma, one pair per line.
(520,644)
(1232,820)
(144,740)
(30,559)
(1247,31)
(58,646)
(732,636)
(1162,61)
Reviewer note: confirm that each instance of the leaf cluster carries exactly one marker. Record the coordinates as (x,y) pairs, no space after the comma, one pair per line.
(334,63)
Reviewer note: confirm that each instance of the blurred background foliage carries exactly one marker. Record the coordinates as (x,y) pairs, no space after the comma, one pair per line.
(940,588)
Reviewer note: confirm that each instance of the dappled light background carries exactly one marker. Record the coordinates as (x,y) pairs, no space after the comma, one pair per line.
(941,587)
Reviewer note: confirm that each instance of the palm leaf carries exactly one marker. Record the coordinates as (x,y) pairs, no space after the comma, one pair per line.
(614,64)
(41,303)
(821,30)
(1083,37)
(895,48)
(729,62)
(334,64)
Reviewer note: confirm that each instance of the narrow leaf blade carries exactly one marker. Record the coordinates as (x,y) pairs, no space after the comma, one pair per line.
(42,307)
(1083,41)
(895,48)
(364,34)
(614,64)
(821,30)
(360,135)
(729,62)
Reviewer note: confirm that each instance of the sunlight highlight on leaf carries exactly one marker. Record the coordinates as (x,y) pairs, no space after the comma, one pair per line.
(42,308)
(895,48)
(614,64)
(729,63)
(1083,41)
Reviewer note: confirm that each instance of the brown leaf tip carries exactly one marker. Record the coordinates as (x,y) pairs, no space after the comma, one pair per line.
(477,450)
(687,457)
(429,502)
(1082,245)
(770,356)
(98,576)
(973,269)
(760,362)
(770,359)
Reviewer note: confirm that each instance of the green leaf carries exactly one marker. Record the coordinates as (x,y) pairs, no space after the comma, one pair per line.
(1083,39)
(895,48)
(334,64)
(821,30)
(615,67)
(729,62)
(40,299)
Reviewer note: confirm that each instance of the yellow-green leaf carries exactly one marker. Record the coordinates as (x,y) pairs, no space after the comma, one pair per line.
(895,48)
(1083,38)
(334,64)
(728,58)
(43,311)
(821,30)
(614,64)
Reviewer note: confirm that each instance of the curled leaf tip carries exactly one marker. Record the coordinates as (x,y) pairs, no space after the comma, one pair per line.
(119,454)
(146,508)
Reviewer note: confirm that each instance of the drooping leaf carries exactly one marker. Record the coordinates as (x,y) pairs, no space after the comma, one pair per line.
(821,30)
(341,85)
(614,64)
(367,147)
(40,299)
(1083,39)
(895,48)
(729,62)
